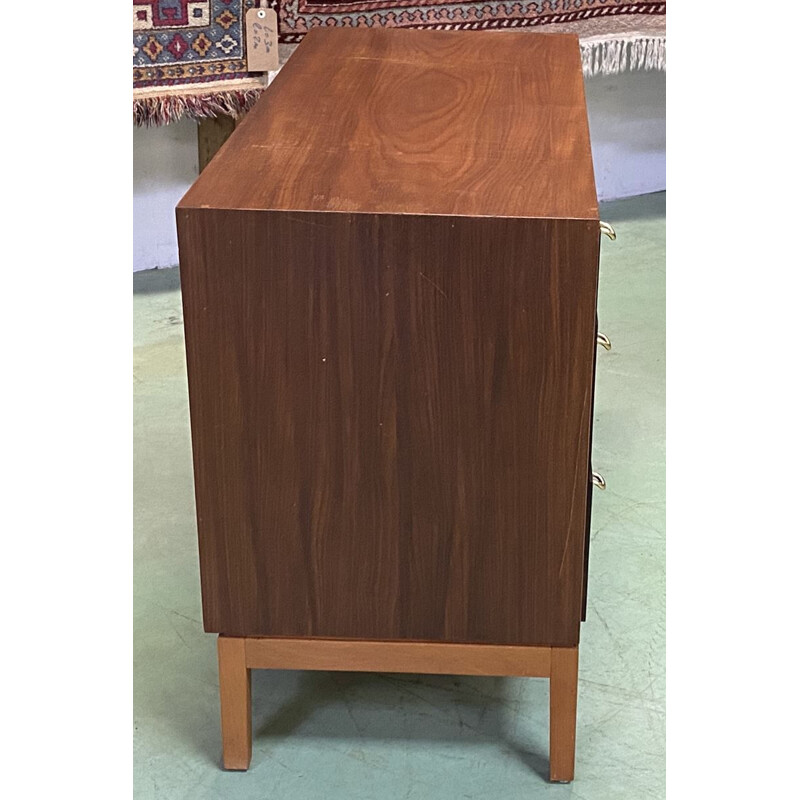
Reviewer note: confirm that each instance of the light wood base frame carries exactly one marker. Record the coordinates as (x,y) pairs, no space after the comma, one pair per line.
(237,656)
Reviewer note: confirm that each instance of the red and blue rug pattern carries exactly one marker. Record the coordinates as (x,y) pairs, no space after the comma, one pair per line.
(187,41)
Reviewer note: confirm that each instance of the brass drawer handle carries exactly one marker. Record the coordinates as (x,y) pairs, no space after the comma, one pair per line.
(607,230)
(598,480)
(604,341)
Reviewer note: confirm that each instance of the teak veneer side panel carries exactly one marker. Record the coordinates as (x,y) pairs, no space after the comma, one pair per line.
(414,122)
(390,423)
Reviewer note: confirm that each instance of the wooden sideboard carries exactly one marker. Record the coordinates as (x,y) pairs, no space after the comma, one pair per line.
(389,277)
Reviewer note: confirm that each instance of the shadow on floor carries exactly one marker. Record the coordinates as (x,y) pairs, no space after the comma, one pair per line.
(381,707)
(152,281)
(647,206)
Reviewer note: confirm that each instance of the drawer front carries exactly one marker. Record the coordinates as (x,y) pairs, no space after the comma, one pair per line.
(390,421)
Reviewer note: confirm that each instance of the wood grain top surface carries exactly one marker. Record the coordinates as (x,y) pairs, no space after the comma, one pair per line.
(392,121)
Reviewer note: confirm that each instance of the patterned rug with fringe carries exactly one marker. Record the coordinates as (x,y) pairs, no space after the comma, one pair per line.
(189,55)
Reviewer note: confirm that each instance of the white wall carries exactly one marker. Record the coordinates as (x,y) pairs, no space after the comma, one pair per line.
(626,116)
(164,166)
(628,129)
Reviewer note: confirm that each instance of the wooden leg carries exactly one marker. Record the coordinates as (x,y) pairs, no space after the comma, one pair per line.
(234,698)
(563,712)
(212,133)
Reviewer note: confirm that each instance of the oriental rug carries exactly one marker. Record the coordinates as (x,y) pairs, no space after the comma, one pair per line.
(189,55)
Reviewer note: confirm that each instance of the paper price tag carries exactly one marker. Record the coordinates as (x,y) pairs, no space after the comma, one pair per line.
(262,39)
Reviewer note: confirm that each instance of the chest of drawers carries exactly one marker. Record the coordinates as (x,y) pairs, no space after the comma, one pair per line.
(389,278)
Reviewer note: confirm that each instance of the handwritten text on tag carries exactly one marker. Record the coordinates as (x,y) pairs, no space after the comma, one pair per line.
(262,39)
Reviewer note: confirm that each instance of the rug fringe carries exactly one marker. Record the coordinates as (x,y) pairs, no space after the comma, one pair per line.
(613,55)
(162,110)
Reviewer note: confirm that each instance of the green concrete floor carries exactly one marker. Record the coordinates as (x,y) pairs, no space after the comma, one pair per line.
(329,735)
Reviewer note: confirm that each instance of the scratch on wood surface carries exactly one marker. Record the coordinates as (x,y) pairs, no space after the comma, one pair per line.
(388,60)
(435,285)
